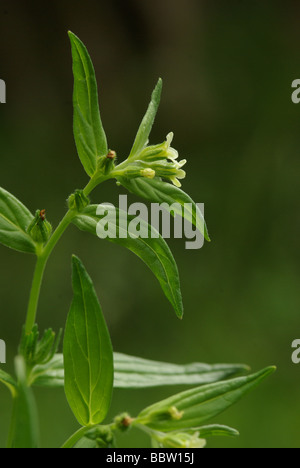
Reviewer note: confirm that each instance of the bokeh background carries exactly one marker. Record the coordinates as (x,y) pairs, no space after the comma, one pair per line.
(227,70)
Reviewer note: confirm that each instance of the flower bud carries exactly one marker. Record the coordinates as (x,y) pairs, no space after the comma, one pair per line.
(123,422)
(40,229)
(78,201)
(102,435)
(169,170)
(38,351)
(148,173)
(107,163)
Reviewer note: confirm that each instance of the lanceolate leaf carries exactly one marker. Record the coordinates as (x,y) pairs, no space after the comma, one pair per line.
(88,130)
(134,372)
(14,221)
(153,251)
(88,355)
(8,381)
(194,407)
(147,122)
(157,191)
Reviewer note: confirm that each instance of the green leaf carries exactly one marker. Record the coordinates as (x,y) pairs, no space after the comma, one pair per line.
(216,430)
(88,355)
(24,427)
(153,251)
(8,381)
(192,408)
(89,134)
(157,191)
(50,374)
(143,133)
(14,221)
(135,372)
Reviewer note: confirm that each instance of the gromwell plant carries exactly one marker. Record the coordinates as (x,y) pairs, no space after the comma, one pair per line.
(88,369)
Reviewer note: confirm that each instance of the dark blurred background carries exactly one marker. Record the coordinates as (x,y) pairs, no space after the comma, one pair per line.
(227,70)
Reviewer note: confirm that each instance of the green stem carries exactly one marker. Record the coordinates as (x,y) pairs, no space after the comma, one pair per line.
(35,293)
(40,268)
(45,254)
(24,422)
(72,441)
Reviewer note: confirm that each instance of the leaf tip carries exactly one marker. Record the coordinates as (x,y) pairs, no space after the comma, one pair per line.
(266,372)
(180,314)
(157,90)
(246,368)
(76,263)
(71,35)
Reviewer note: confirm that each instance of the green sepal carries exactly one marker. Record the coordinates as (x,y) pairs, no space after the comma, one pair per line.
(40,229)
(78,201)
(39,352)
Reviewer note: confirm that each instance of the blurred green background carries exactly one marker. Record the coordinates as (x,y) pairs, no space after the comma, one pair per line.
(227,70)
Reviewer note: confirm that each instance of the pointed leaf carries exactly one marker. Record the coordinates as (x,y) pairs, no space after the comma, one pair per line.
(157,191)
(88,355)
(194,407)
(135,372)
(153,251)
(147,122)
(89,134)
(14,221)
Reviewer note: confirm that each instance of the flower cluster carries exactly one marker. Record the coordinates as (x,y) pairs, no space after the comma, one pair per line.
(157,161)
